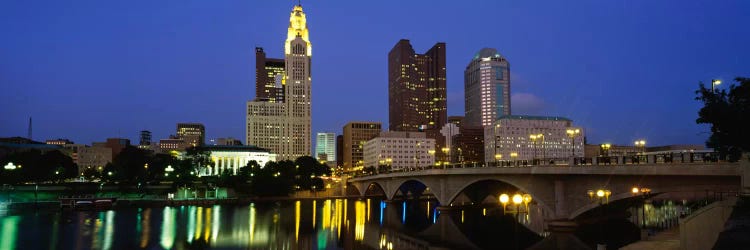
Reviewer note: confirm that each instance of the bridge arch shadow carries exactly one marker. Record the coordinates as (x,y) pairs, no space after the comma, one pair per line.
(351,190)
(409,189)
(374,189)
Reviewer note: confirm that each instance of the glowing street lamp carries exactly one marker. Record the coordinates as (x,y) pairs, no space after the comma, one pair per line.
(10,166)
(605,148)
(641,144)
(573,133)
(602,196)
(498,157)
(169,169)
(714,82)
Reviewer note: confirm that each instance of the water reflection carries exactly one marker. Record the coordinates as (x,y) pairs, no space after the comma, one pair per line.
(306,224)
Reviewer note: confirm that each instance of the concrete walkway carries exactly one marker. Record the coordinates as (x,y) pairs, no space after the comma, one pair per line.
(665,240)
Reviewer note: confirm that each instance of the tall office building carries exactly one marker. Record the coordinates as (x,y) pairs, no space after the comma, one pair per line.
(487,88)
(269,73)
(355,136)
(194,134)
(417,91)
(282,124)
(325,147)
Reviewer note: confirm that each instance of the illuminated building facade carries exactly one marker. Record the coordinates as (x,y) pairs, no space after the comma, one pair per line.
(269,73)
(194,134)
(355,136)
(510,138)
(232,158)
(487,88)
(399,150)
(283,125)
(417,91)
(325,147)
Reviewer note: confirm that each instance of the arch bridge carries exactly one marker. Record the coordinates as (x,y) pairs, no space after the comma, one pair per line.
(560,192)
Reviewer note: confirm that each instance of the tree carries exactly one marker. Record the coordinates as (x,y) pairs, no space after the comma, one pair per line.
(729,116)
(309,171)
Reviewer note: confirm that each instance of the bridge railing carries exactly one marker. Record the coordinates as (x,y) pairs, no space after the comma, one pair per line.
(671,158)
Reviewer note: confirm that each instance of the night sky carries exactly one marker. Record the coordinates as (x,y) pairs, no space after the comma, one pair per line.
(88,70)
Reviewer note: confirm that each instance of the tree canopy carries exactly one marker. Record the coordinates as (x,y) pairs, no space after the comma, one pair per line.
(728,113)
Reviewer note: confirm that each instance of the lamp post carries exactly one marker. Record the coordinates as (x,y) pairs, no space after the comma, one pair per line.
(533,138)
(641,146)
(600,196)
(513,156)
(498,157)
(516,200)
(432,154)
(714,82)
(573,133)
(446,152)
(643,192)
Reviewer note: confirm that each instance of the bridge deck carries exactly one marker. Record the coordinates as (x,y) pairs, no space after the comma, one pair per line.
(682,169)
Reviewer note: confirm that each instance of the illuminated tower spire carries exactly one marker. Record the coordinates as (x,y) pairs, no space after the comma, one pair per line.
(297,28)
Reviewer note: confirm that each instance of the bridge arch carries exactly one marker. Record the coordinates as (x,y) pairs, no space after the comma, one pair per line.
(593,205)
(374,186)
(396,186)
(536,194)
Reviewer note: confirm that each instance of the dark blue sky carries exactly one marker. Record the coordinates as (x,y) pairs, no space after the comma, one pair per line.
(88,70)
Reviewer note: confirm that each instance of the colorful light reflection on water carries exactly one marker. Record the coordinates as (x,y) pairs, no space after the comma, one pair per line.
(306,224)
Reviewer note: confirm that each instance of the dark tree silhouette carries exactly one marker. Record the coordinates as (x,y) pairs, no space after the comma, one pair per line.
(728,112)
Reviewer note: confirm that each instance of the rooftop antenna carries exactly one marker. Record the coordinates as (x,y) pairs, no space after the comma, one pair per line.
(29,131)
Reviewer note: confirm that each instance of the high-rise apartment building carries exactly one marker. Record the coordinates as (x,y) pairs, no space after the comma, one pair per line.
(417,90)
(325,147)
(194,134)
(487,88)
(355,136)
(269,73)
(283,125)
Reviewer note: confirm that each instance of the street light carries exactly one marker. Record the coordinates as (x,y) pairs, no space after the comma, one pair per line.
(533,138)
(602,197)
(714,82)
(498,157)
(432,154)
(10,166)
(517,199)
(573,133)
(446,152)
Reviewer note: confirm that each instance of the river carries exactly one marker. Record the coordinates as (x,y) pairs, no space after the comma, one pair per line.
(302,224)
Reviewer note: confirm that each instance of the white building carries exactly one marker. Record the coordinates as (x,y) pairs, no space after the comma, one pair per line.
(231,158)
(532,137)
(400,150)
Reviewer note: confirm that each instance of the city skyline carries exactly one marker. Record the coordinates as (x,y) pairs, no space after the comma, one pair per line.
(86,81)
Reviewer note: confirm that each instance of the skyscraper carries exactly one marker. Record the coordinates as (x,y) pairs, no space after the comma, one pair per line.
(487,88)
(269,73)
(417,91)
(282,123)
(355,136)
(325,147)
